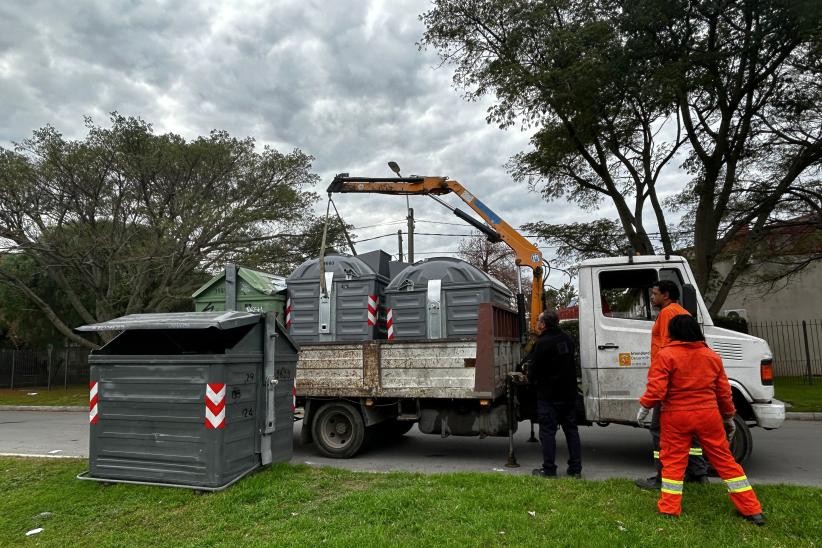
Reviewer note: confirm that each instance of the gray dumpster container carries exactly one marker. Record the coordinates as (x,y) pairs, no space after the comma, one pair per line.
(439,298)
(196,399)
(254,291)
(343,315)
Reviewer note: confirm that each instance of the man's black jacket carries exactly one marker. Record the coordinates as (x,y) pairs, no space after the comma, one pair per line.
(552,370)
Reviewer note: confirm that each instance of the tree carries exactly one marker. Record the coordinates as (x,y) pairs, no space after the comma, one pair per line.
(561,297)
(21,323)
(493,258)
(618,89)
(123,220)
(576,242)
(282,255)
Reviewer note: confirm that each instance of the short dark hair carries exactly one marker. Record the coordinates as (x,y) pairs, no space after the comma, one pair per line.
(685,328)
(669,287)
(551,318)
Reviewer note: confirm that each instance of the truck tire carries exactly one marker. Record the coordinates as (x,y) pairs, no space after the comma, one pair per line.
(742,443)
(338,430)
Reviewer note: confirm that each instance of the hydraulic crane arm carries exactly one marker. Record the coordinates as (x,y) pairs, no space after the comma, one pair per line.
(527,254)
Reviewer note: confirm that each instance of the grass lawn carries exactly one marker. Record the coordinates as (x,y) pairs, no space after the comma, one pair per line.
(75,395)
(288,505)
(802,397)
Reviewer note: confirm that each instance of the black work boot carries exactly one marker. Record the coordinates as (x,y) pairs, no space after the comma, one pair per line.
(756,519)
(654,483)
(542,473)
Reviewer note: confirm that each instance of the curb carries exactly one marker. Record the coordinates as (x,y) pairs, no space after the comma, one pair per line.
(792,416)
(807,416)
(42,408)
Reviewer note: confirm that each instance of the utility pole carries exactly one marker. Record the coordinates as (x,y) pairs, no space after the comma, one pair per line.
(396,169)
(410,234)
(399,243)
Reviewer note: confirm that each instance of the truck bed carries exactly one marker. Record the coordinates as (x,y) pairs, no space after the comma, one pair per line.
(473,368)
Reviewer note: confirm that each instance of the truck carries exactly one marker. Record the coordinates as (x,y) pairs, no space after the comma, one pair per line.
(473,386)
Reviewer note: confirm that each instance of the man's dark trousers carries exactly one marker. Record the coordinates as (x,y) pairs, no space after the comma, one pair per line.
(552,415)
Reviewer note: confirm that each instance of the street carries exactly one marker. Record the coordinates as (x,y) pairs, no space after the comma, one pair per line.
(787,455)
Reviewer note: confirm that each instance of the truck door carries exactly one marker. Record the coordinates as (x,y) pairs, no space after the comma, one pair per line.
(623,318)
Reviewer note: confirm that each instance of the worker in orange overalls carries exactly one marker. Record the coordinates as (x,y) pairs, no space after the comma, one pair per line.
(664,295)
(687,378)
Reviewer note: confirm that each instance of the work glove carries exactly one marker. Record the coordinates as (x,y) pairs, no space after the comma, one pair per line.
(642,416)
(730,427)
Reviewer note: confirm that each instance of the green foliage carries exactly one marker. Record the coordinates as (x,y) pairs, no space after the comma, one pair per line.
(127,220)
(569,70)
(572,327)
(619,91)
(301,506)
(576,242)
(734,323)
(21,323)
(562,297)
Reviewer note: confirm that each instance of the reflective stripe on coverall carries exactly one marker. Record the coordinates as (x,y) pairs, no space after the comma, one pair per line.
(678,427)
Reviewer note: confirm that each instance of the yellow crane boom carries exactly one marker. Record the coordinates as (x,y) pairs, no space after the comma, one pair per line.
(527,254)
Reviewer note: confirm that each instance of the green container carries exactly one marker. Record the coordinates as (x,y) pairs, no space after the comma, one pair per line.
(256,292)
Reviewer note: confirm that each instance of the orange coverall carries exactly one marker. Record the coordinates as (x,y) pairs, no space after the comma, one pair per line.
(689,381)
(659,333)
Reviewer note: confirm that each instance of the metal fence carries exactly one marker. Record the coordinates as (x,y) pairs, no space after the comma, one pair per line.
(796,347)
(51,367)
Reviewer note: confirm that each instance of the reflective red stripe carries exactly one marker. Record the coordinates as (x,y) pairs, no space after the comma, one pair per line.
(215,405)
(92,402)
(390,324)
(288,313)
(372,310)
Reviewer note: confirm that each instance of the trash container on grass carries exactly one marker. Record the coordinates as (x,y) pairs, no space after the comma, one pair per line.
(195,399)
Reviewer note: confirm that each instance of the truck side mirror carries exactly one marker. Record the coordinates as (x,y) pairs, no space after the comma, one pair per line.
(689,302)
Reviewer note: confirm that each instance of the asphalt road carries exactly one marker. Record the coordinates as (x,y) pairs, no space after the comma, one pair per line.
(787,455)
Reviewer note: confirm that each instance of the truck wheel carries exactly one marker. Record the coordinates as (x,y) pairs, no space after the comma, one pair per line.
(338,430)
(742,442)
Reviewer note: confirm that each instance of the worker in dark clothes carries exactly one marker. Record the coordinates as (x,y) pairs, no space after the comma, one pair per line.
(553,374)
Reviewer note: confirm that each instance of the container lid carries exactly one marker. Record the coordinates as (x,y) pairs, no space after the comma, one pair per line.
(448,269)
(265,283)
(176,320)
(343,266)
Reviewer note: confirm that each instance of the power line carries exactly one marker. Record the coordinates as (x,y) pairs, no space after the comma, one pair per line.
(387,223)
(374,238)
(439,222)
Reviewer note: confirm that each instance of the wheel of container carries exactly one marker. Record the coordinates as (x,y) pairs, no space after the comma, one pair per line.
(338,430)
(742,443)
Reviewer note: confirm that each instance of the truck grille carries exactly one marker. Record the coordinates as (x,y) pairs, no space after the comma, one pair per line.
(727,350)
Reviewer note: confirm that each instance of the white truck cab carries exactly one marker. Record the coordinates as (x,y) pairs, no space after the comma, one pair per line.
(615,321)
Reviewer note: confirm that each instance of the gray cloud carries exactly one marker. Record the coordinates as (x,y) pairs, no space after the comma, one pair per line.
(343,81)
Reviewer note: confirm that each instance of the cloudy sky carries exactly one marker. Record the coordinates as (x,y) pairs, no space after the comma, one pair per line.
(342,80)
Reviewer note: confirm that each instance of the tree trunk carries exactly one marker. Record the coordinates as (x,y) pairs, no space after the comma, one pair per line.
(50,314)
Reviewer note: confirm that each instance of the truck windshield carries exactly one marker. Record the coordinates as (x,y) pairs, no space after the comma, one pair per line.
(627,293)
